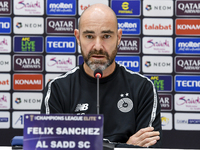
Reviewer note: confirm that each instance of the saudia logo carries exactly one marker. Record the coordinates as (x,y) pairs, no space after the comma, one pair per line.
(184,101)
(3,99)
(158,27)
(151,44)
(4,42)
(27,45)
(21,4)
(53,62)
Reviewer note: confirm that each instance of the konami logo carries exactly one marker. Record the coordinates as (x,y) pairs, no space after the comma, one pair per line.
(27,81)
(157,26)
(188,26)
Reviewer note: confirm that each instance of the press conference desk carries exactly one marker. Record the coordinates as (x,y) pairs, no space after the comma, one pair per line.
(10,148)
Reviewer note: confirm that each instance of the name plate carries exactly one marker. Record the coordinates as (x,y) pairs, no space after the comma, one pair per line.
(63,131)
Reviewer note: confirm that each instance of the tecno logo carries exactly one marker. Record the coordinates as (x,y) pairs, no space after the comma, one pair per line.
(130,62)
(61,44)
(188,26)
(187,83)
(5,26)
(27,81)
(157,26)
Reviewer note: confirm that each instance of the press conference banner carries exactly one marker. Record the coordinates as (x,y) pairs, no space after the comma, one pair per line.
(63,132)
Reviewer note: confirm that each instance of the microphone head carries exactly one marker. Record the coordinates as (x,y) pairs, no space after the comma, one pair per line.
(98,73)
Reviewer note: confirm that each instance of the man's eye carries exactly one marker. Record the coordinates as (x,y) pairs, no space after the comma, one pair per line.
(106,36)
(89,36)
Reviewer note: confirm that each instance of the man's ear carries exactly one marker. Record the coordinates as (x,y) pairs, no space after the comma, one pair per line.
(76,34)
(119,36)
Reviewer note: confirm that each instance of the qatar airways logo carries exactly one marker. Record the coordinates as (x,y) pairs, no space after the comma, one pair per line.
(187,64)
(154,45)
(59,63)
(187,102)
(188,8)
(157,26)
(28,7)
(187,83)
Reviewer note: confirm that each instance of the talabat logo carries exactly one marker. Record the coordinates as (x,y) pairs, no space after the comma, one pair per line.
(165,102)
(187,102)
(28,25)
(60,63)
(5,82)
(130,62)
(61,7)
(188,27)
(5,25)
(4,100)
(166,121)
(126,8)
(155,45)
(187,83)
(28,63)
(162,83)
(129,26)
(27,100)
(60,44)
(5,44)
(154,26)
(28,44)
(158,64)
(158,8)
(84,4)
(188,8)
(129,45)
(187,64)
(187,45)
(5,63)
(187,121)
(60,25)
(28,82)
(5,6)
(28,7)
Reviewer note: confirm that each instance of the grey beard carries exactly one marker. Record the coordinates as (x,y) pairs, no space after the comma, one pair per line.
(98,65)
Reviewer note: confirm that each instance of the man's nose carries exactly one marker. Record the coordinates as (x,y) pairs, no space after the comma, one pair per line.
(98,43)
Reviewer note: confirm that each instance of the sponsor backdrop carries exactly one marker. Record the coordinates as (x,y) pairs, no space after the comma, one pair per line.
(160,40)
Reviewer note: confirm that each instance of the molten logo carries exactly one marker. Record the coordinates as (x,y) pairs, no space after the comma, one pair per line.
(28,82)
(188,26)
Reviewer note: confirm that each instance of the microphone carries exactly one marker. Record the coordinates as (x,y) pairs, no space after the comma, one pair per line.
(98,74)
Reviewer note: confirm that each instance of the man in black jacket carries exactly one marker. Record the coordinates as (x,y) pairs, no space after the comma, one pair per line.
(128,100)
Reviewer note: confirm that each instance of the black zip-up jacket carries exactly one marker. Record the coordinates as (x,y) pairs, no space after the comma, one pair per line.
(128,101)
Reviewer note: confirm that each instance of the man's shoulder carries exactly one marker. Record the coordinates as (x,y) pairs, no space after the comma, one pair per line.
(132,75)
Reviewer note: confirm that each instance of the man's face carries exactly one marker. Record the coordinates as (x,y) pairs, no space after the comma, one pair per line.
(98,39)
